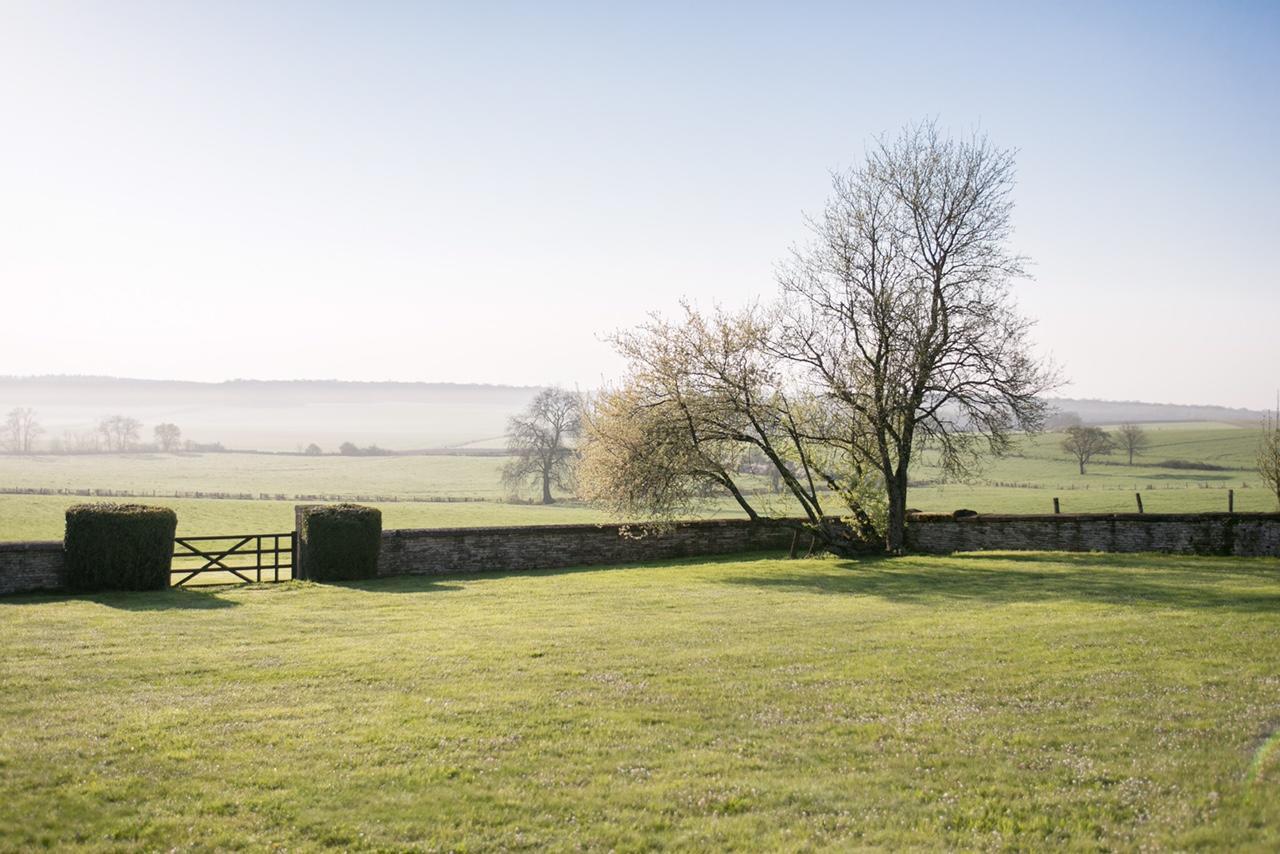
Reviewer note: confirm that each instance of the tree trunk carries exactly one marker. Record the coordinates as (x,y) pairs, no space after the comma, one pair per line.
(546,490)
(896,525)
(1082,467)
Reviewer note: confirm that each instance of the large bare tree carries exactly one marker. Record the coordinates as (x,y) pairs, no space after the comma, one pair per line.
(539,441)
(21,430)
(900,312)
(896,329)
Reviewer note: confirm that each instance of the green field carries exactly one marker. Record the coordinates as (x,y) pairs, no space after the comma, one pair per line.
(1024,482)
(1005,701)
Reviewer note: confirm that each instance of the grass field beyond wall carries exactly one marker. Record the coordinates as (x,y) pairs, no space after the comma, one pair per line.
(1023,701)
(1026,481)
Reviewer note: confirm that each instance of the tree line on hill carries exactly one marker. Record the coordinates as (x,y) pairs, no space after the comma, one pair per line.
(114,434)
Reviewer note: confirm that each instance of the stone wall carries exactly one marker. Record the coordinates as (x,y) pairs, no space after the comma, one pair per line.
(435,551)
(30,567)
(1239,534)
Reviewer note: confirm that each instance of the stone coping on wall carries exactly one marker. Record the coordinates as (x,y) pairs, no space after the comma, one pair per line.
(587,526)
(1090,517)
(31,546)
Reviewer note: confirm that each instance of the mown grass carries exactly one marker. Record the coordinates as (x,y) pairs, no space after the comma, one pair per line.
(1010,701)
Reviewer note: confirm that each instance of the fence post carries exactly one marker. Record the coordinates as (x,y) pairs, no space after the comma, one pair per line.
(1231,501)
(299,546)
(1056,509)
(1138,495)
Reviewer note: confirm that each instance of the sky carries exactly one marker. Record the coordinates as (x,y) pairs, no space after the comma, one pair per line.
(480,192)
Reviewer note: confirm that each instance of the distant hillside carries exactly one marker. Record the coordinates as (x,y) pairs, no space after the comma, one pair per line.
(1118,411)
(287,415)
(276,415)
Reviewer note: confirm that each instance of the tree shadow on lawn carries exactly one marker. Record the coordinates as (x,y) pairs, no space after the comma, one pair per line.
(175,598)
(991,579)
(427,582)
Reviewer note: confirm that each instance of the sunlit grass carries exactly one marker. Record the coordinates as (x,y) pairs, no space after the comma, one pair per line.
(1023,701)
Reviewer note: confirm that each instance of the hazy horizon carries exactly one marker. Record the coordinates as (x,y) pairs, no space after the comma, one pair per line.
(476,194)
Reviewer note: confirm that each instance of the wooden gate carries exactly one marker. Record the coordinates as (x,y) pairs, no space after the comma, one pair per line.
(234,557)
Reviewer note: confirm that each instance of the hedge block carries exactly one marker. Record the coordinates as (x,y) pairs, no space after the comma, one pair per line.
(339,542)
(119,546)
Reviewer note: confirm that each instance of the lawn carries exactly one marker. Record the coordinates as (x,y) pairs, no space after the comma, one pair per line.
(980,701)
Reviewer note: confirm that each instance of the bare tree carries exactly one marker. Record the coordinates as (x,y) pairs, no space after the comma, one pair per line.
(120,432)
(896,329)
(1085,443)
(21,430)
(1133,439)
(1269,452)
(900,314)
(539,441)
(706,400)
(168,436)
(81,442)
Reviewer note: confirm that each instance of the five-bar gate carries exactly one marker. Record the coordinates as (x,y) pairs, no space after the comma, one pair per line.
(226,559)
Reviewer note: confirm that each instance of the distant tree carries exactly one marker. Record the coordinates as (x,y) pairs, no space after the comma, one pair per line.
(313,450)
(120,432)
(168,436)
(82,442)
(1269,453)
(21,430)
(1085,443)
(539,441)
(1133,439)
(349,449)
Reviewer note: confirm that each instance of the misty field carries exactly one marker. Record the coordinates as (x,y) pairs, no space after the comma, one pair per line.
(444,491)
(1008,701)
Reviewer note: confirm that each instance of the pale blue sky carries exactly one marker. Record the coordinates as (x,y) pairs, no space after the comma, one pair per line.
(475,192)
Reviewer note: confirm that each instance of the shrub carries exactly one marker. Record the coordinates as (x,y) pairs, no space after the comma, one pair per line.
(340,542)
(119,546)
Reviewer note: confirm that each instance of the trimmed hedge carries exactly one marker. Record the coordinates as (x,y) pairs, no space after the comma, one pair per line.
(119,546)
(341,541)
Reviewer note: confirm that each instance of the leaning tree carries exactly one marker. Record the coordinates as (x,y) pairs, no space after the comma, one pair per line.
(895,329)
(540,439)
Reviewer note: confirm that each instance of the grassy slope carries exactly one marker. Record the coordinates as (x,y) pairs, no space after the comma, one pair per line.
(992,701)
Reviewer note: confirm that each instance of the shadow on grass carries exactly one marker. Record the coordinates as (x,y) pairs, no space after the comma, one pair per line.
(1010,579)
(451,580)
(173,599)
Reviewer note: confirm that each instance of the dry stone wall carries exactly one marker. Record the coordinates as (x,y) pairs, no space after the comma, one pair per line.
(1239,534)
(31,567)
(437,551)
